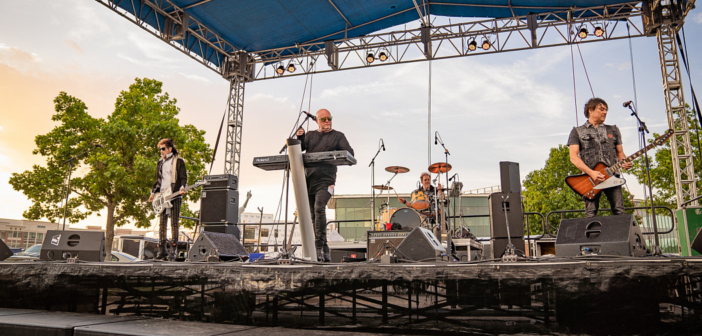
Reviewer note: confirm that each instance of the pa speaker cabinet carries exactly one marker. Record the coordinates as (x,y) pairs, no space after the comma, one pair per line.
(84,245)
(213,246)
(511,203)
(420,244)
(5,251)
(611,235)
(219,206)
(380,241)
(222,181)
(509,177)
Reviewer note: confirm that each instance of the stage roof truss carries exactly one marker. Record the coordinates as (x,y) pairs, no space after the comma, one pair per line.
(508,34)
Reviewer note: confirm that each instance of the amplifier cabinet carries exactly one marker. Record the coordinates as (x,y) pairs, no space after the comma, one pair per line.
(381,241)
(222,181)
(219,206)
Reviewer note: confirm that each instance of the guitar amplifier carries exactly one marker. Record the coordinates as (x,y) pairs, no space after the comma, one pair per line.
(221,181)
(381,241)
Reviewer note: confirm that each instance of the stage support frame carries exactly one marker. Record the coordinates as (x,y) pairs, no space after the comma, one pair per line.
(235,118)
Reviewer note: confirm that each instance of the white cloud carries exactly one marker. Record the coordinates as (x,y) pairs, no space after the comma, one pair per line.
(86,23)
(697,18)
(195,77)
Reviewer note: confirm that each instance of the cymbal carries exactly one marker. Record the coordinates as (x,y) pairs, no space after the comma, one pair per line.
(440,167)
(397,169)
(382,187)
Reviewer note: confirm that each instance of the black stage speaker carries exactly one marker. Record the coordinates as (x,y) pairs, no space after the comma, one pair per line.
(509,177)
(231,229)
(219,206)
(420,245)
(498,223)
(611,235)
(379,242)
(222,181)
(84,245)
(213,246)
(5,251)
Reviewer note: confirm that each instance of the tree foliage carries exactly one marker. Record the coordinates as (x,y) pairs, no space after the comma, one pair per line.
(120,175)
(545,189)
(661,165)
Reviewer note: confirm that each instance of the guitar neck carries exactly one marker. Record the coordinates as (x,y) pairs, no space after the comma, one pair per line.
(177,193)
(618,166)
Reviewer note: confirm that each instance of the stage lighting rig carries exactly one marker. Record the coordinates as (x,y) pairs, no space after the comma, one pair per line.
(486,45)
(280,70)
(583,33)
(291,67)
(472,46)
(382,56)
(599,32)
(370,58)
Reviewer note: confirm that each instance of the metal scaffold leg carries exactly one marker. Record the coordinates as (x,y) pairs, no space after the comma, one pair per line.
(234,121)
(681,150)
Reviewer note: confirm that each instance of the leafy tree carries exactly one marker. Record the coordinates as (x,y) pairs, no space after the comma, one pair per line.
(545,189)
(121,174)
(661,164)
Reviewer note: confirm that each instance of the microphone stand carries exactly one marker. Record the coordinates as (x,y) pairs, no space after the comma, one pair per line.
(449,241)
(372,165)
(642,131)
(68,181)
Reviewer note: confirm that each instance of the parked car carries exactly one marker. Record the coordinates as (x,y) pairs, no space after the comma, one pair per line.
(122,257)
(31,253)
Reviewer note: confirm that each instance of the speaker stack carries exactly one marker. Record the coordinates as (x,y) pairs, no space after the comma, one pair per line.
(610,235)
(509,200)
(84,245)
(219,204)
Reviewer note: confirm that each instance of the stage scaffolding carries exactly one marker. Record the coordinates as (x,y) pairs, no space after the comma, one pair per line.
(661,18)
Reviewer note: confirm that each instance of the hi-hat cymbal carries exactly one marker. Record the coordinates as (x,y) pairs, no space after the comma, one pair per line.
(382,187)
(397,169)
(440,167)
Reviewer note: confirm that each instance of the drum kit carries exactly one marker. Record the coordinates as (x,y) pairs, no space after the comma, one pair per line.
(420,210)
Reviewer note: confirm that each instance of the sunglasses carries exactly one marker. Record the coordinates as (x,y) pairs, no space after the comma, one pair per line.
(325,119)
(163,149)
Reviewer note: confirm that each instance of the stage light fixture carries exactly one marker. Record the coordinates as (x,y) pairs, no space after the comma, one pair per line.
(370,58)
(280,70)
(472,46)
(486,45)
(291,67)
(382,56)
(599,32)
(583,33)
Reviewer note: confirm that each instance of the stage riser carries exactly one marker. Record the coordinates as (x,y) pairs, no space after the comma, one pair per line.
(574,296)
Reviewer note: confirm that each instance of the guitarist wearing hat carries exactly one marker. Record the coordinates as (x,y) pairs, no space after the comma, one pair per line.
(592,143)
(171,176)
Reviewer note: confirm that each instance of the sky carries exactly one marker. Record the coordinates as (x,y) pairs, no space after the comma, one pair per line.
(511,106)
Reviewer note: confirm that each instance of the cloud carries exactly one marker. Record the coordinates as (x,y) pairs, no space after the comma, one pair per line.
(10,55)
(195,77)
(87,23)
(697,18)
(73,45)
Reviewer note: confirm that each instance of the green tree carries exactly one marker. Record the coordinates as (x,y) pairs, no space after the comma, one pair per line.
(545,189)
(120,175)
(661,164)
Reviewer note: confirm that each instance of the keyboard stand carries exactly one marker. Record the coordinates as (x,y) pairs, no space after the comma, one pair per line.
(297,172)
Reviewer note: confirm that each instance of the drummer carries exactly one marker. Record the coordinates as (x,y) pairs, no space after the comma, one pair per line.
(423,198)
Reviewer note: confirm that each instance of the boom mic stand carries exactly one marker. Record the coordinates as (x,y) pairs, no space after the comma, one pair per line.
(510,253)
(642,131)
(68,180)
(449,241)
(372,165)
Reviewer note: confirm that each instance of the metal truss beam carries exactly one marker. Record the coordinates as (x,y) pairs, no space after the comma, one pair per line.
(666,19)
(548,29)
(173,25)
(235,117)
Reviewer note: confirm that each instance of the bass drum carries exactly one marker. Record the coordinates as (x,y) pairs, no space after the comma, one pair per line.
(407,218)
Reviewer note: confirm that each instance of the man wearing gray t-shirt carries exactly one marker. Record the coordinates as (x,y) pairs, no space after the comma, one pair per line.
(595,142)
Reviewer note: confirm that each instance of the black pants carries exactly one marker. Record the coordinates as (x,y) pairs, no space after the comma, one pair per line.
(615,196)
(174,213)
(318,208)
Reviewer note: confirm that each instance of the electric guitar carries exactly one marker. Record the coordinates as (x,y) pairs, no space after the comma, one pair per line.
(586,187)
(162,200)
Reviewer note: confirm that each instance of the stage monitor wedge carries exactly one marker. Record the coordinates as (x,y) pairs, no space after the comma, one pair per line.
(610,235)
(214,246)
(5,251)
(64,244)
(420,245)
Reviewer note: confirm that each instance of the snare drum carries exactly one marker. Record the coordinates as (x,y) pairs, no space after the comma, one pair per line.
(420,200)
(407,218)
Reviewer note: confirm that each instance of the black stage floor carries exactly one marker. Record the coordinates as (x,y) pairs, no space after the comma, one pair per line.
(595,295)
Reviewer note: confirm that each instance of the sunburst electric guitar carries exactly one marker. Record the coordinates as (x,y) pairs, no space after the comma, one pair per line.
(586,187)
(162,200)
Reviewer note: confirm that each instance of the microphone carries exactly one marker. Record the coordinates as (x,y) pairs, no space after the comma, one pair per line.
(626,104)
(452,177)
(436,138)
(98,145)
(382,144)
(311,116)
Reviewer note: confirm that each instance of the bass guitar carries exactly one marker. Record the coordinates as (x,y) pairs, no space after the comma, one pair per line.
(586,187)
(162,200)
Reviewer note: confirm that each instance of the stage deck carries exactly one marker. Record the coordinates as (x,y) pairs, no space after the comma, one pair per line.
(588,295)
